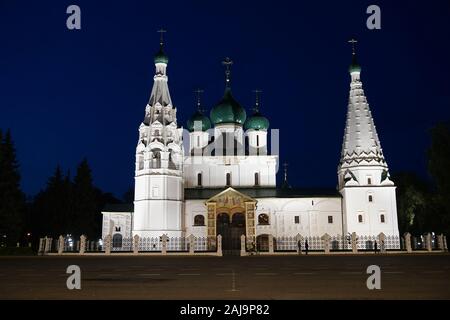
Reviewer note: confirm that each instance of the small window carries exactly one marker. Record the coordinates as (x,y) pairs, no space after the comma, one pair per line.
(263,219)
(360,218)
(382,219)
(256,179)
(369,181)
(257,141)
(199,180)
(370,198)
(297,219)
(198,141)
(118,229)
(330,219)
(228,179)
(199,220)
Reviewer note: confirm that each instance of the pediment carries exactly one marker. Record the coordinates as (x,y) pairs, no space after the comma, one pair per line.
(230,198)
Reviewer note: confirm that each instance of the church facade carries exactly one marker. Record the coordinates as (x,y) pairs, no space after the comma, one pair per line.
(217,176)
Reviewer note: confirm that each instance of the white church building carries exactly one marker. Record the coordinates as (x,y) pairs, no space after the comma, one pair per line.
(217,176)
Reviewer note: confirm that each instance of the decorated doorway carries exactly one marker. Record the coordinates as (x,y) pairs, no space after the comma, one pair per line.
(231,214)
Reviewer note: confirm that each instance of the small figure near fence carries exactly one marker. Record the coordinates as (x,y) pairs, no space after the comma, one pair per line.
(306,246)
(299,246)
(375,247)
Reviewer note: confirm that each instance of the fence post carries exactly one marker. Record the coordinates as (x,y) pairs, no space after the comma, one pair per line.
(164,239)
(354,243)
(107,244)
(381,240)
(408,242)
(136,244)
(41,246)
(191,239)
(82,244)
(60,245)
(441,242)
(219,245)
(243,249)
(48,245)
(271,244)
(299,239)
(326,243)
(428,242)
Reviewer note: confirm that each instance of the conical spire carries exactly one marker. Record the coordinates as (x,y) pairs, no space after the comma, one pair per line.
(361,144)
(160,92)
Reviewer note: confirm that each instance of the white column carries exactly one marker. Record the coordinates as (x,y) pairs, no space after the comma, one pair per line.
(136,244)
(82,244)
(60,245)
(243,249)
(271,244)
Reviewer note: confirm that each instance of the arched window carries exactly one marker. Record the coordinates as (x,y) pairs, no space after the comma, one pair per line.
(370,198)
(199,180)
(369,180)
(257,140)
(198,141)
(360,218)
(117,240)
(199,220)
(263,219)
(382,219)
(256,179)
(228,179)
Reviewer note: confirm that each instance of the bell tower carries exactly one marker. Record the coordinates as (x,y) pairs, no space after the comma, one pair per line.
(158,203)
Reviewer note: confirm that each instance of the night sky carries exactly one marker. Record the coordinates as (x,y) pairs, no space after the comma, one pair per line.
(67,94)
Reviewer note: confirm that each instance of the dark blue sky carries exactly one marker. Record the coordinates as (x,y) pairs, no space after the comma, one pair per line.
(72,94)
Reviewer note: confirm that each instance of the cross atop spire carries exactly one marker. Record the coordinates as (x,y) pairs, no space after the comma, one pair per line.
(257,93)
(285,184)
(227,62)
(199,93)
(161,39)
(353,41)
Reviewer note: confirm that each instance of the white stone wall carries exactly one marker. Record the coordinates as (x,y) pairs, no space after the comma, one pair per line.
(113,220)
(312,212)
(241,168)
(312,216)
(193,208)
(158,206)
(356,202)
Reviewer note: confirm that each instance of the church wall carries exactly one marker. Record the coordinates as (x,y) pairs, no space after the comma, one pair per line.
(117,222)
(356,202)
(193,208)
(312,216)
(242,169)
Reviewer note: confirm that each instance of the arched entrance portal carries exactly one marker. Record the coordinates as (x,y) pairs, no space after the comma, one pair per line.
(231,231)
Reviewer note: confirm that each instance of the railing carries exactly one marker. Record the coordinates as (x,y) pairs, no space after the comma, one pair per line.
(162,245)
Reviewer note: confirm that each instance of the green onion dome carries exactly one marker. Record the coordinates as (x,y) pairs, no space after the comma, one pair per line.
(354,67)
(256,122)
(197,117)
(161,57)
(228,110)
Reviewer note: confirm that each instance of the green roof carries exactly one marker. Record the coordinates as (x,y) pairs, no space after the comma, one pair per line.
(256,122)
(197,118)
(228,110)
(161,57)
(354,67)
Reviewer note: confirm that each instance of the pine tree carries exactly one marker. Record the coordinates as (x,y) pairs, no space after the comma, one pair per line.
(12,200)
(86,211)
